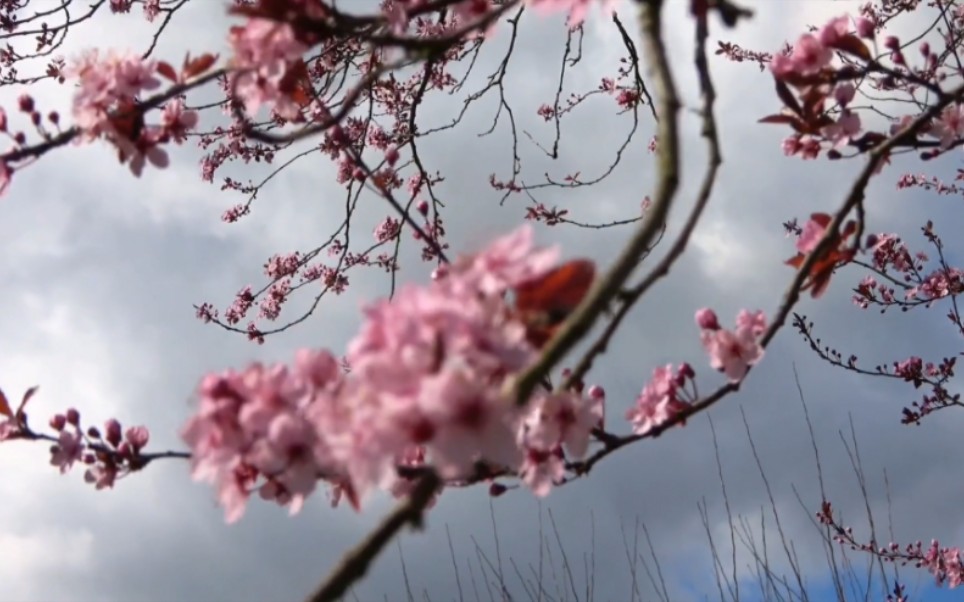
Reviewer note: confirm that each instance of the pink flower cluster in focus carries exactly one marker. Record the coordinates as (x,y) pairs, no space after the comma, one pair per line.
(425,387)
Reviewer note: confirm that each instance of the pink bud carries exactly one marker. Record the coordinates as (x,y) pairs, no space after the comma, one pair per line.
(3,120)
(113,429)
(686,370)
(58,422)
(497,489)
(391,155)
(73,416)
(124,449)
(844,93)
(892,43)
(422,207)
(865,28)
(137,436)
(26,103)
(53,117)
(596,392)
(706,319)
(439,272)
(93,432)
(925,49)
(897,58)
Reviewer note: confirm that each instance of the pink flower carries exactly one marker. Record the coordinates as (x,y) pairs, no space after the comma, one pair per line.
(508,261)
(565,419)
(137,437)
(428,369)
(541,470)
(865,27)
(842,131)
(810,55)
(387,229)
(950,126)
(176,122)
(69,448)
(102,476)
(835,29)
(733,352)
(844,93)
(657,402)
(264,52)
(755,322)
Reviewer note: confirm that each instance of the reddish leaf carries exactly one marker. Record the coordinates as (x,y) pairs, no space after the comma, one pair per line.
(194,67)
(5,406)
(545,302)
(779,119)
(803,81)
(26,397)
(783,91)
(822,219)
(167,71)
(851,44)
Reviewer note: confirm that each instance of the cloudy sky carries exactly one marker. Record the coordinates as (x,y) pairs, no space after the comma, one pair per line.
(101,271)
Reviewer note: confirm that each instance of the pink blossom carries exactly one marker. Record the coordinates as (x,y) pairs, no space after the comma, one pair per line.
(264,52)
(102,476)
(755,322)
(835,29)
(541,470)
(844,93)
(69,448)
(950,126)
(387,229)
(565,419)
(426,382)
(657,402)
(810,55)
(733,352)
(865,27)
(842,131)
(508,261)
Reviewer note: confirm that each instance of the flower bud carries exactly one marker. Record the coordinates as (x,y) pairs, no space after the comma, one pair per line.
(865,28)
(706,319)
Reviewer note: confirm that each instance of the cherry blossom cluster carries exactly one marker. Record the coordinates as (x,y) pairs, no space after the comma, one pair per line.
(106,104)
(426,387)
(820,110)
(944,563)
(894,267)
(108,454)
